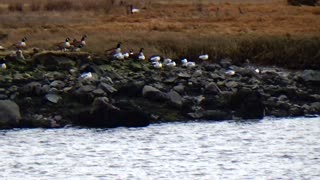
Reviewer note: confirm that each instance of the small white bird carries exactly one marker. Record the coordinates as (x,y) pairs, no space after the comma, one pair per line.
(204,57)
(167,60)
(2,48)
(157,65)
(134,10)
(171,64)
(230,72)
(87,75)
(118,56)
(257,70)
(126,55)
(155,58)
(185,63)
(3,66)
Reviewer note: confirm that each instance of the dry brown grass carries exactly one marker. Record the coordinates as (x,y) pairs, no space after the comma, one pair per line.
(174,28)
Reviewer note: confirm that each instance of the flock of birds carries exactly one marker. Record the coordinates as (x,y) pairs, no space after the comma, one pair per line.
(156,61)
(116,53)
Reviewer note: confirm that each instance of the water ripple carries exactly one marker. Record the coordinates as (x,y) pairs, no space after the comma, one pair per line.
(267,149)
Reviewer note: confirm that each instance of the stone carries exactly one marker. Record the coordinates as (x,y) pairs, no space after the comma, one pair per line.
(197,73)
(107,88)
(9,114)
(53,98)
(57,84)
(212,88)
(184,75)
(179,88)
(175,98)
(152,93)
(99,92)
(231,84)
(104,114)
(311,76)
(32,88)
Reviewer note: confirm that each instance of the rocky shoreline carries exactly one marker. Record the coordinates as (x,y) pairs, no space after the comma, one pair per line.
(48,91)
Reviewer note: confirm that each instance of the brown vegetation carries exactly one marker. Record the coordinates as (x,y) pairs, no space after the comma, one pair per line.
(263,31)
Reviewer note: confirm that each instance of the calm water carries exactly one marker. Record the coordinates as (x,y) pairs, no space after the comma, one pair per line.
(268,149)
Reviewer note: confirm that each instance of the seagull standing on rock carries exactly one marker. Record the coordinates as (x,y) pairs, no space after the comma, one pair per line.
(186,63)
(204,57)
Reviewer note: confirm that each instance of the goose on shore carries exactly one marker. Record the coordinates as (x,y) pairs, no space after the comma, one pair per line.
(204,57)
(63,46)
(117,49)
(139,56)
(21,44)
(82,42)
(76,48)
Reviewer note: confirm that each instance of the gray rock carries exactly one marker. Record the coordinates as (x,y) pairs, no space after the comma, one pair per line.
(53,98)
(175,98)
(57,84)
(179,88)
(153,93)
(197,73)
(171,80)
(13,89)
(212,88)
(32,87)
(18,77)
(184,75)
(231,84)
(9,114)
(283,98)
(107,88)
(99,92)
(311,76)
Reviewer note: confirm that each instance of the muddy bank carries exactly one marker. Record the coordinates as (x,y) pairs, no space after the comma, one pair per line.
(53,89)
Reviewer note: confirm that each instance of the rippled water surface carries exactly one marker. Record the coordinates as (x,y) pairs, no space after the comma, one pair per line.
(267,149)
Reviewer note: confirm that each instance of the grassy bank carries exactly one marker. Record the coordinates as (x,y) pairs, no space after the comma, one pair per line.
(289,52)
(268,32)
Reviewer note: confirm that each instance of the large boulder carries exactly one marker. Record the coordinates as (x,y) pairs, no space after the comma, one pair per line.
(103,114)
(311,76)
(54,61)
(152,93)
(9,114)
(249,104)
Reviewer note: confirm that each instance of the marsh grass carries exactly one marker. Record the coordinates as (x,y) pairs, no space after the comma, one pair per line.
(292,52)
